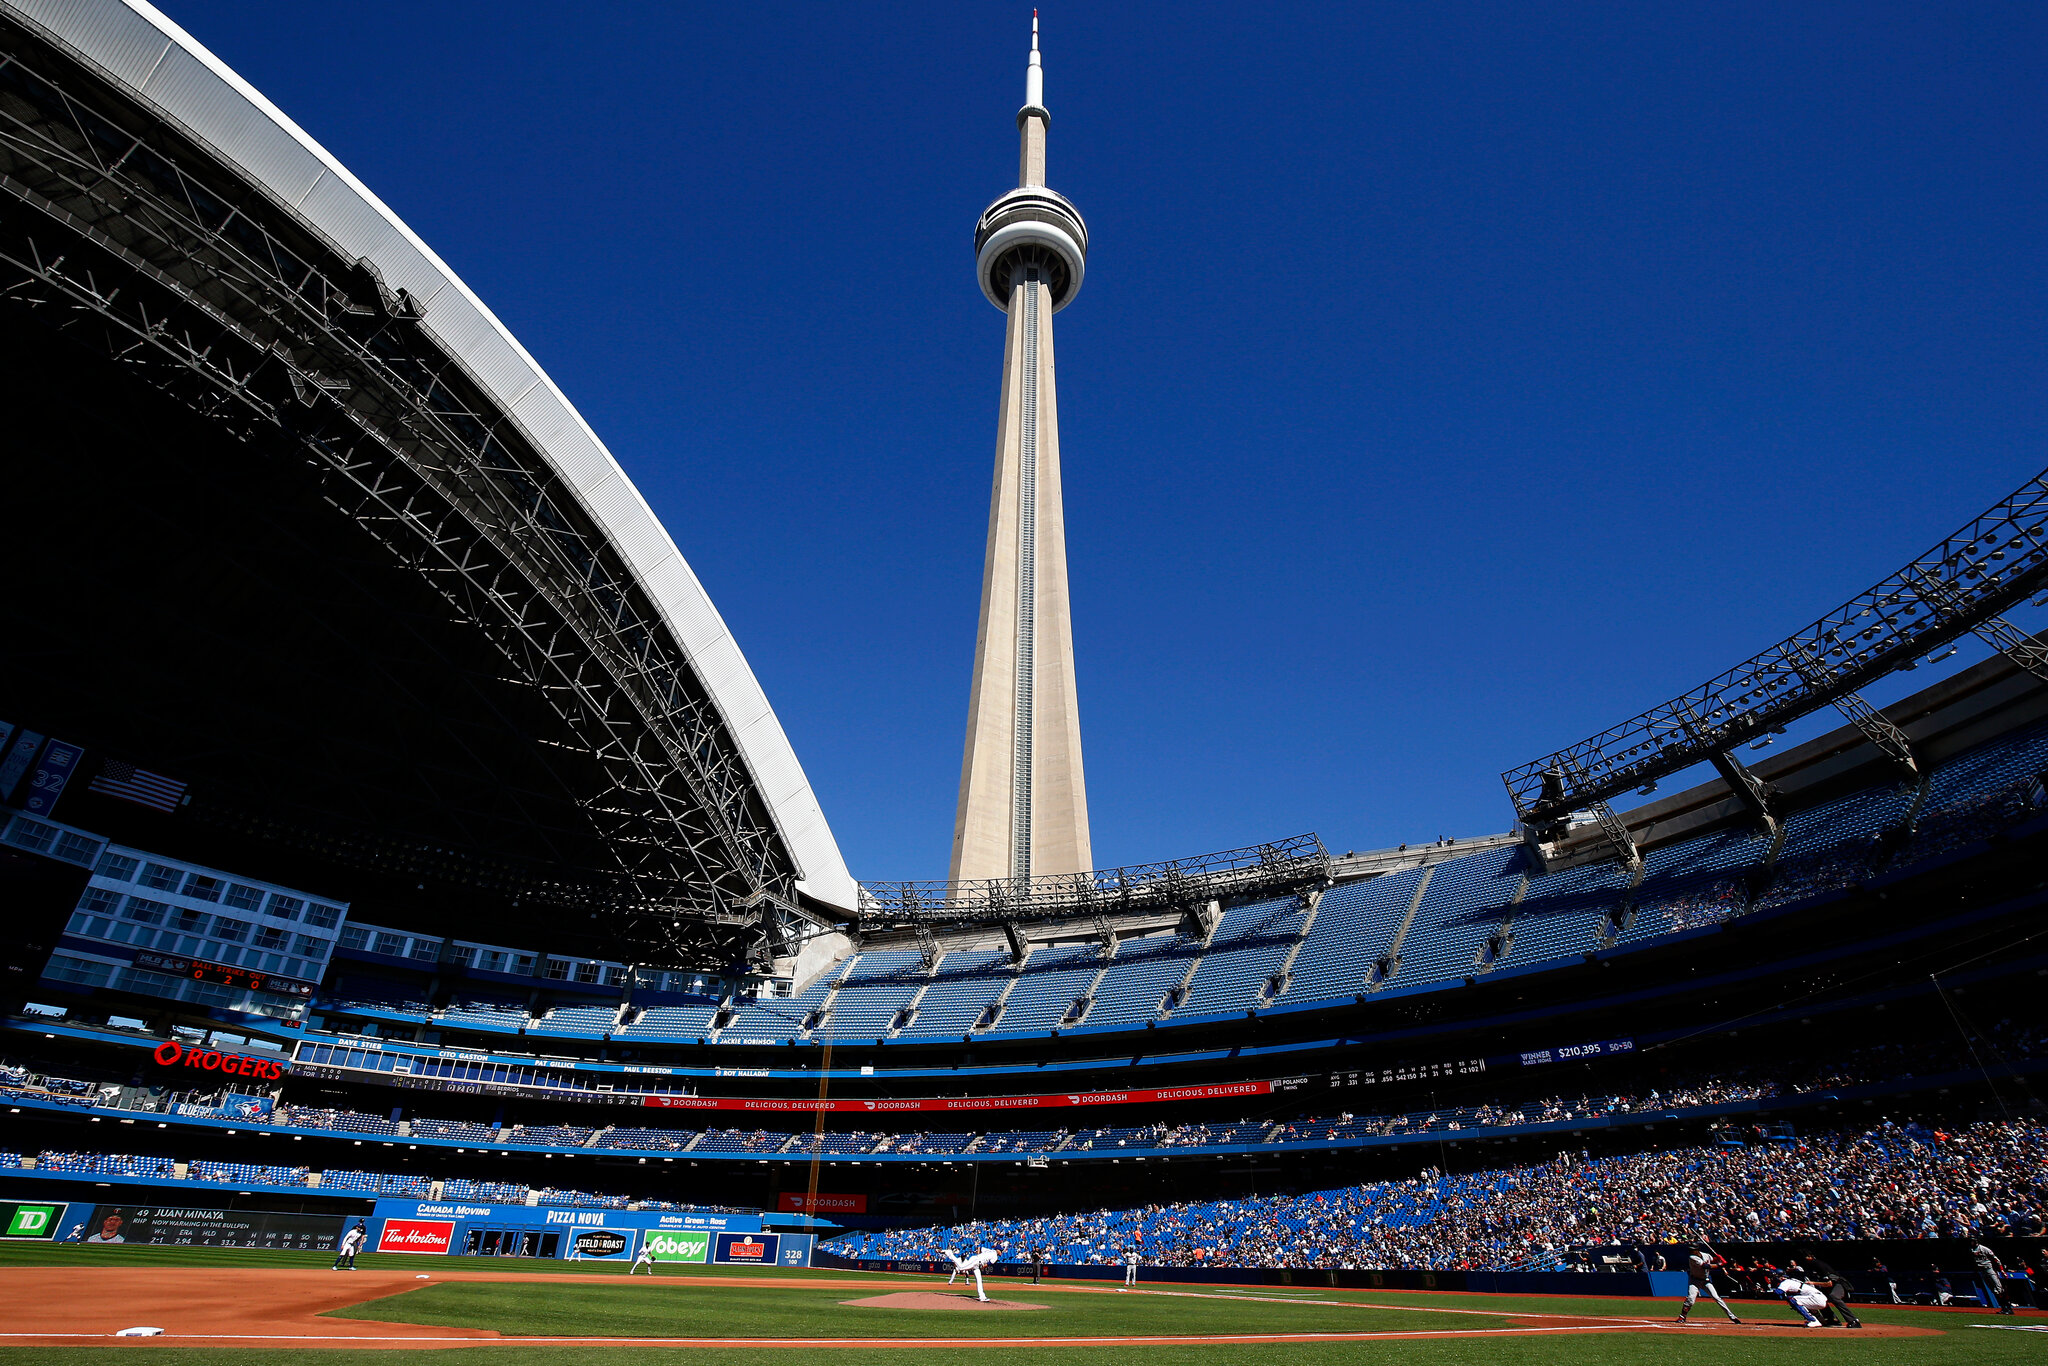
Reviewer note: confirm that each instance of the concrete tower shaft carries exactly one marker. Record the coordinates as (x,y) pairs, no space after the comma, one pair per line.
(1023,808)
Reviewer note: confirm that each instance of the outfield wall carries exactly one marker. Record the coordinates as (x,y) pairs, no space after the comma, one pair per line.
(1659,1284)
(462,1228)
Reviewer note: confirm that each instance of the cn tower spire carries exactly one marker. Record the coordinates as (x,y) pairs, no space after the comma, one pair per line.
(1023,803)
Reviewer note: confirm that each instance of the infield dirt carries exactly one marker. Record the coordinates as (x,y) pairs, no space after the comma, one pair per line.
(267,1309)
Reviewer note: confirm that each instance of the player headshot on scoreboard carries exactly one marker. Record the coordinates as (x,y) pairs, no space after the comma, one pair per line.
(110,1229)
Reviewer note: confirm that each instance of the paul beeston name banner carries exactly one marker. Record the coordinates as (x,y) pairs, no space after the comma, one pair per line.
(1056,1101)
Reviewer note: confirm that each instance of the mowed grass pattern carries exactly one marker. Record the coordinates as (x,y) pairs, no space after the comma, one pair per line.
(650,1308)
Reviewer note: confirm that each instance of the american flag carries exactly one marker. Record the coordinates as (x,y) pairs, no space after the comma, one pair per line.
(138,785)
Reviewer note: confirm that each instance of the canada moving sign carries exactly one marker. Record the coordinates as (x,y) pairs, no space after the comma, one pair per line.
(416,1235)
(1047,1102)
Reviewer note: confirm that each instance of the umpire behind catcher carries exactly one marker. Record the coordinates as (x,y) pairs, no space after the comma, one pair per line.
(1831,1283)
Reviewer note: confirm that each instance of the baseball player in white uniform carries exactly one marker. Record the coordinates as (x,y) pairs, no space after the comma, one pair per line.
(984,1257)
(646,1257)
(1804,1296)
(1130,1269)
(351,1243)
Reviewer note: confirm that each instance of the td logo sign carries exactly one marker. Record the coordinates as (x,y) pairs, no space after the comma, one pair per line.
(29,1221)
(664,1246)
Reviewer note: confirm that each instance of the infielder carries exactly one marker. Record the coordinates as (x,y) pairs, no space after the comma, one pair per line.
(985,1257)
(1804,1296)
(646,1258)
(351,1243)
(1130,1269)
(1699,1279)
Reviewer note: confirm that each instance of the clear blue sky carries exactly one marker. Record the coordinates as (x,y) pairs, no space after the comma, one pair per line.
(1450,381)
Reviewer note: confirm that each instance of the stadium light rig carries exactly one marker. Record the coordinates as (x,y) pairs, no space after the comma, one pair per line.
(1997,560)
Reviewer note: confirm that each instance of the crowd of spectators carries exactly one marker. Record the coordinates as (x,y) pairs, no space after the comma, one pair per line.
(1890,1181)
(2017,1045)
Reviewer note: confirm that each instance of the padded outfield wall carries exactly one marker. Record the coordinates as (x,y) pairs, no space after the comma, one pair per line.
(88,1218)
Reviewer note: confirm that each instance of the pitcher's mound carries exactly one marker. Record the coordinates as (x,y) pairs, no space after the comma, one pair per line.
(932,1299)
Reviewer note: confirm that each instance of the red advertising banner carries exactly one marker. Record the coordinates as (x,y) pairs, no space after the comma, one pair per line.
(170,1053)
(1222,1091)
(416,1235)
(797,1202)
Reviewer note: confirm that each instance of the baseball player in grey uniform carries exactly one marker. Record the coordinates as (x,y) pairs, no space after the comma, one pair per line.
(1699,1279)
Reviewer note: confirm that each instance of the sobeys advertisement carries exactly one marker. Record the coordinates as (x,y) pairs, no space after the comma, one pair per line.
(686,1246)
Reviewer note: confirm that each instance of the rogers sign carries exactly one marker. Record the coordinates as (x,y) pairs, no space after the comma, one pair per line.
(415,1235)
(170,1053)
(1071,1098)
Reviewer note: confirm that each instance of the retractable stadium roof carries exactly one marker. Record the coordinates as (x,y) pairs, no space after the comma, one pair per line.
(314,316)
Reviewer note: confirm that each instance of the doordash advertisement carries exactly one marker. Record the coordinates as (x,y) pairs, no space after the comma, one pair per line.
(416,1235)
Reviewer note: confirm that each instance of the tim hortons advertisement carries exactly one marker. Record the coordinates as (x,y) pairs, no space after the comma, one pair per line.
(1058,1101)
(416,1235)
(750,1249)
(797,1202)
(688,1246)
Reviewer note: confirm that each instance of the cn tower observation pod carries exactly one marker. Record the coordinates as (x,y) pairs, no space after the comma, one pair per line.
(606,744)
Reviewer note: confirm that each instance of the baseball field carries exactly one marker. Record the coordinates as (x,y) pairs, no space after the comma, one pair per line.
(65,1306)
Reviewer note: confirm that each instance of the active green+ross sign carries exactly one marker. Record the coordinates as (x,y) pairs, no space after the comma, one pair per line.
(687,1245)
(30,1221)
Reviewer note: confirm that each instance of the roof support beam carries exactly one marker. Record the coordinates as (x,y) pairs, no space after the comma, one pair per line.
(1752,791)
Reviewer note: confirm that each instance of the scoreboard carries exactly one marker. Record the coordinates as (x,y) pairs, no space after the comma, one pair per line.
(221,974)
(175,1226)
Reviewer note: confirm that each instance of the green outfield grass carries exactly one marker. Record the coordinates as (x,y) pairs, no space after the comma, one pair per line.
(596,1300)
(652,1309)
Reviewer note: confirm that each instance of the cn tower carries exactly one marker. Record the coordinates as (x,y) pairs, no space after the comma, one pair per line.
(1023,804)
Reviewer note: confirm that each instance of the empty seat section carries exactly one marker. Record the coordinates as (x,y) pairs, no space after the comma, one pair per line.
(781,1017)
(1462,909)
(1052,980)
(1564,913)
(589,1021)
(672,1022)
(1249,946)
(1354,925)
(966,982)
(1140,975)
(880,985)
